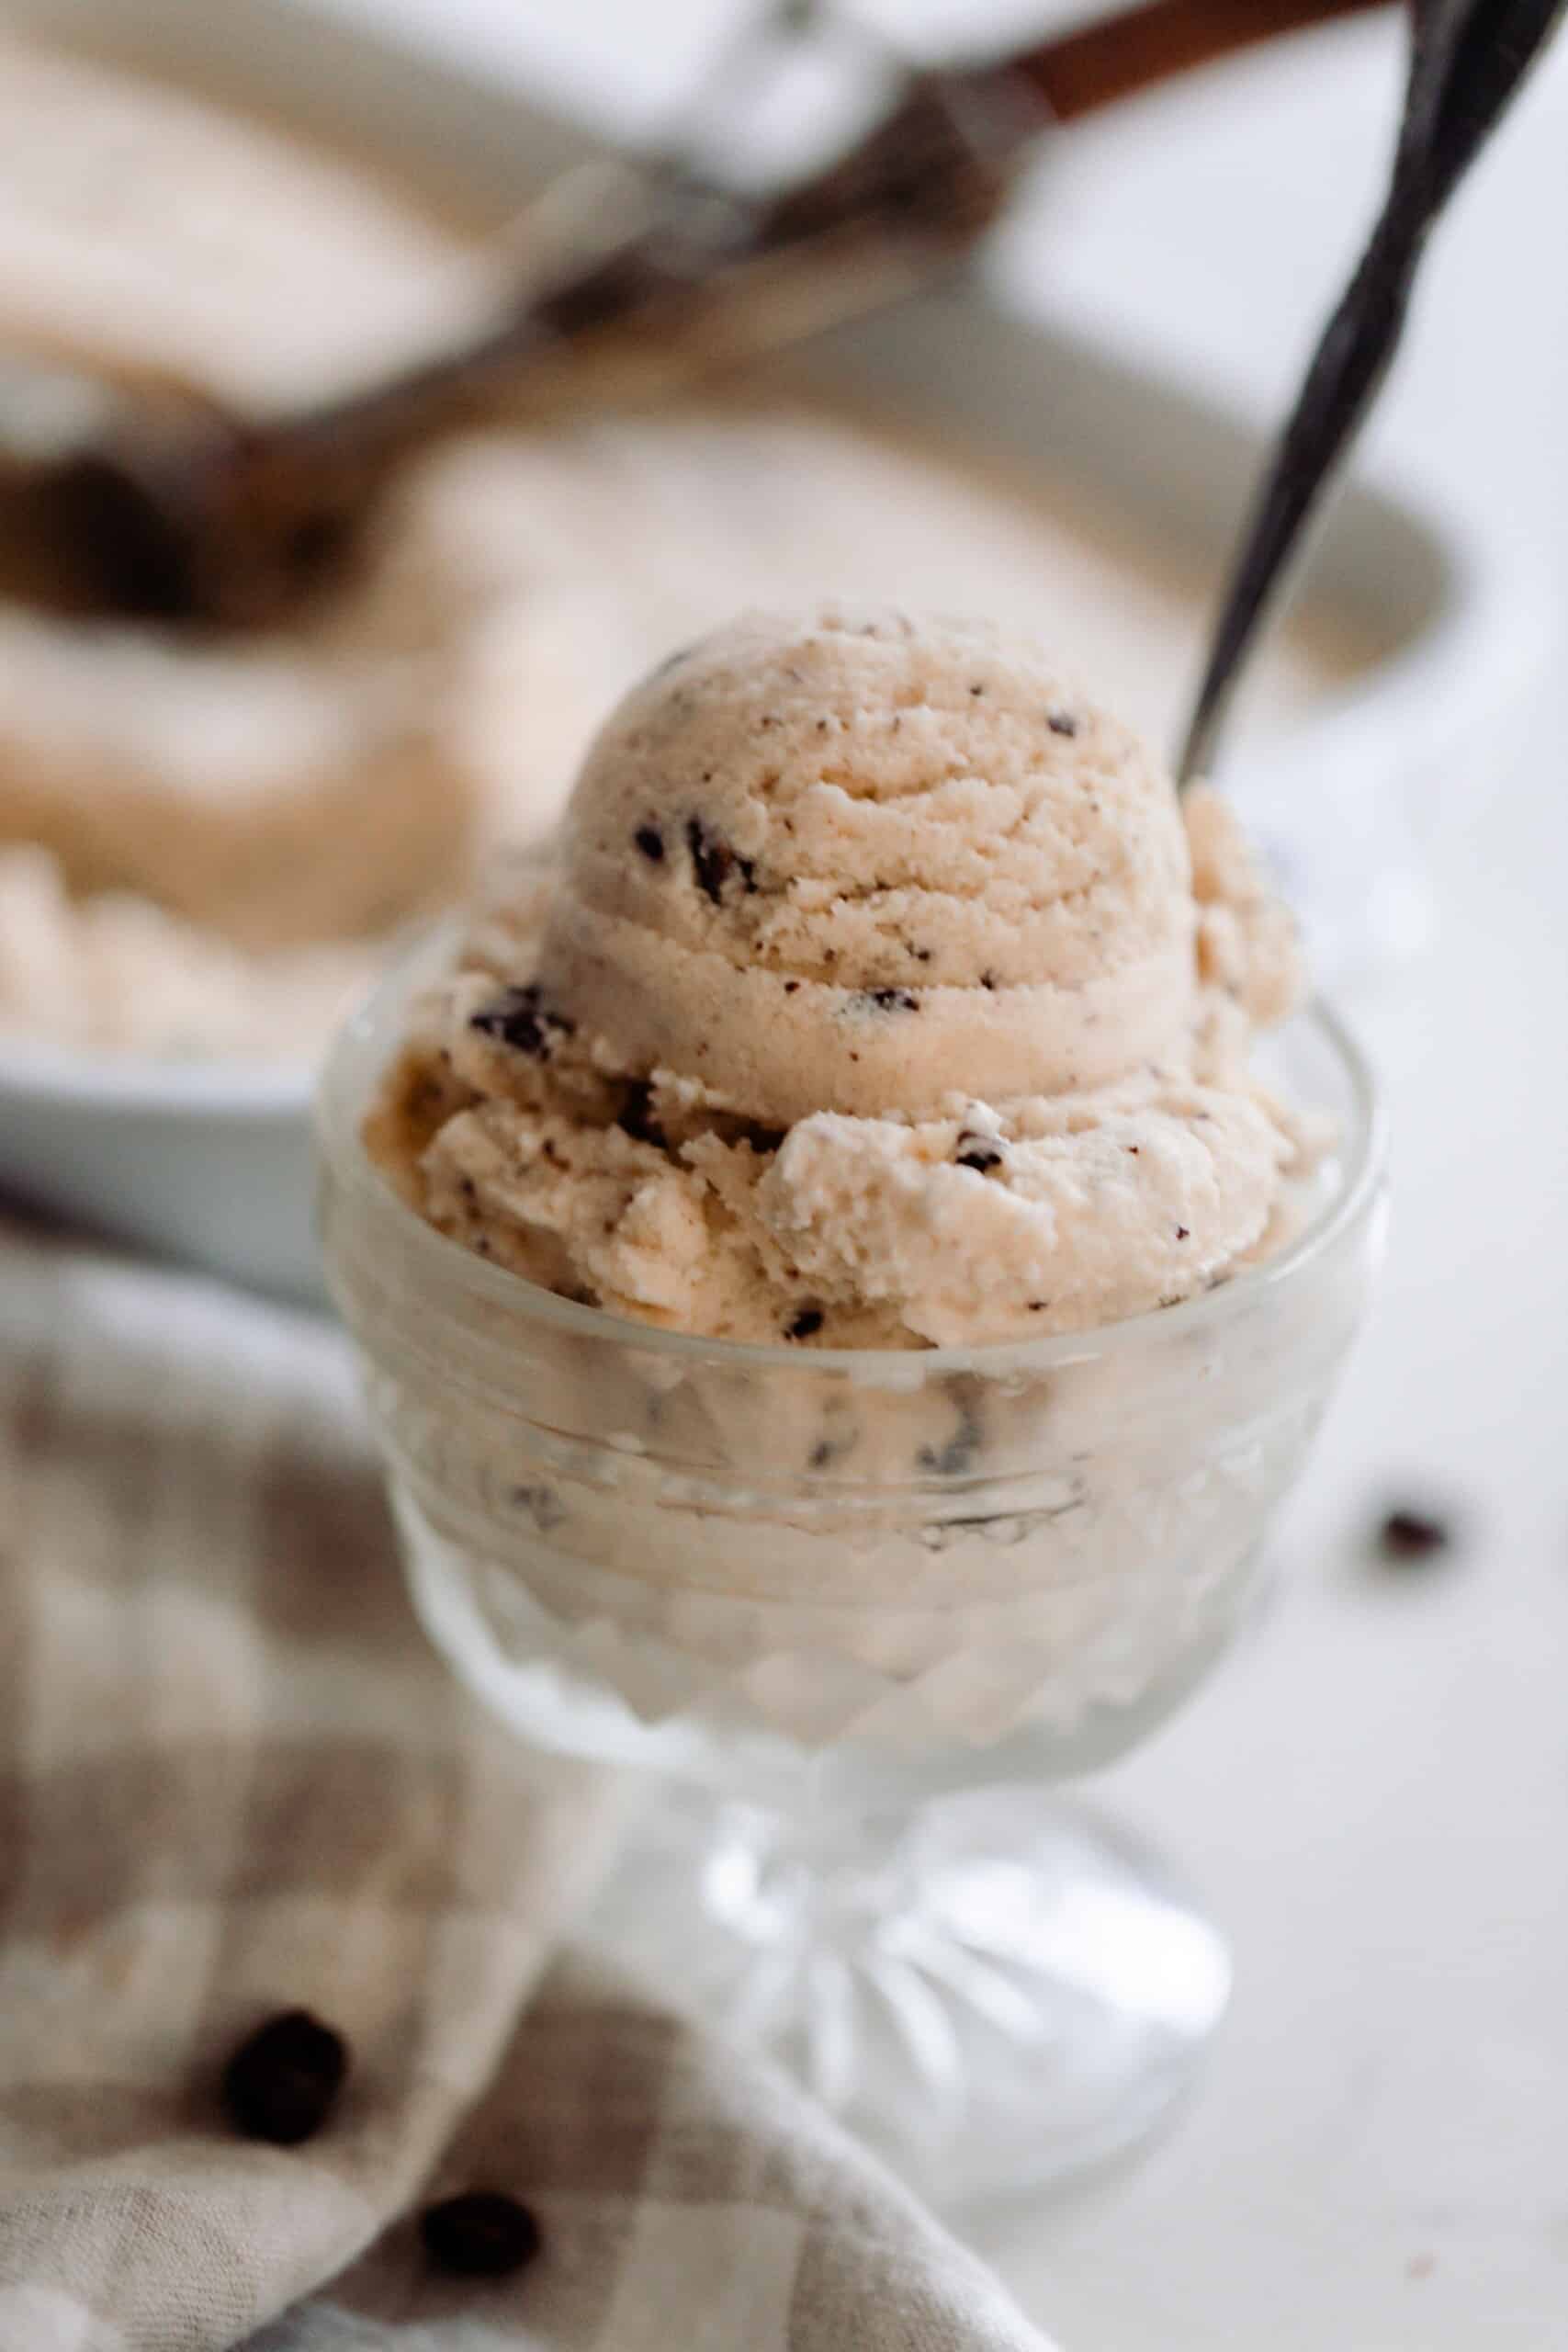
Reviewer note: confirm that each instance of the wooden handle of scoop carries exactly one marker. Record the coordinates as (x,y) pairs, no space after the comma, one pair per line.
(1115,57)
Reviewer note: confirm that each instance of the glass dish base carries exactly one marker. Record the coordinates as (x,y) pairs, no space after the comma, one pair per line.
(994,1990)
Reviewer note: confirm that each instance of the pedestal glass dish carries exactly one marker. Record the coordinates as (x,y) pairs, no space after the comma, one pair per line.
(856,1617)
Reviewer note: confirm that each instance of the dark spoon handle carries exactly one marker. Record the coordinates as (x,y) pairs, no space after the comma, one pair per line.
(1467,58)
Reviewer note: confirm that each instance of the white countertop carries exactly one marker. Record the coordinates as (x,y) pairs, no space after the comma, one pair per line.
(1374,1799)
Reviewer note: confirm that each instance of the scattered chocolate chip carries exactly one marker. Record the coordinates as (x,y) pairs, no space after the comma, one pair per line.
(636,1117)
(922,955)
(835,1444)
(807,1324)
(481,2234)
(543,1505)
(650,841)
(977,690)
(1061,722)
(790,986)
(988,979)
(1183,1233)
(521,1019)
(714,861)
(1038,1305)
(1134,1149)
(952,1459)
(889,999)
(1407,1536)
(980,1156)
(281,2083)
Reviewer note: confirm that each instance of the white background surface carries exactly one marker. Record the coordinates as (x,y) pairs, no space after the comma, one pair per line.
(1374,1799)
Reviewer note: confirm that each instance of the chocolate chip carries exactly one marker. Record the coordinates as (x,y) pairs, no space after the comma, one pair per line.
(1038,1305)
(1061,722)
(481,2234)
(1183,1233)
(980,1156)
(714,861)
(834,1445)
(650,841)
(988,979)
(790,986)
(977,690)
(521,1019)
(1407,1536)
(636,1117)
(807,1324)
(956,1455)
(543,1505)
(281,2083)
(889,999)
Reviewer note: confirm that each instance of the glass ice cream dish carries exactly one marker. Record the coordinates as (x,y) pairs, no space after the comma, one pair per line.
(844,1282)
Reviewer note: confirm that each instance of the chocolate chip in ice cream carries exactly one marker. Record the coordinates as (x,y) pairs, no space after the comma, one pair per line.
(651,842)
(805,1324)
(542,1504)
(520,1018)
(956,1454)
(283,2081)
(715,863)
(974,1151)
(635,1117)
(888,1000)
(1061,722)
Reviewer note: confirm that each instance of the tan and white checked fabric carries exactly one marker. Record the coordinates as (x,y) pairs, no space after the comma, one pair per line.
(233,1779)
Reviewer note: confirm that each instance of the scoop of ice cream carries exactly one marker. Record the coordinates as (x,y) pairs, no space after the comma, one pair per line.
(881,994)
(858,865)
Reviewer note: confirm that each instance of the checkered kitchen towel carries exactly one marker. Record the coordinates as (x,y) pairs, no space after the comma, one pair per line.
(233,1780)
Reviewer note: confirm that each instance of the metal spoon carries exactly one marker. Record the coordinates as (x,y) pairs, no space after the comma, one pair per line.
(1467,60)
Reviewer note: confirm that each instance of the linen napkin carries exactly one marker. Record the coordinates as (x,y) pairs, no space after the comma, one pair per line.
(233,1779)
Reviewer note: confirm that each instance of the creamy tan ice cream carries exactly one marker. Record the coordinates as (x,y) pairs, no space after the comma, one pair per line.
(884,994)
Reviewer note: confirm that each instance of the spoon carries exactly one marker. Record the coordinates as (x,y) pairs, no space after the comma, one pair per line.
(160,503)
(1467,60)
